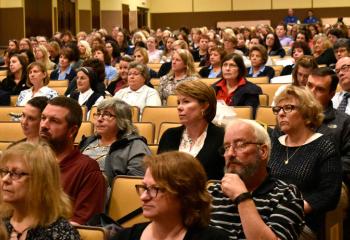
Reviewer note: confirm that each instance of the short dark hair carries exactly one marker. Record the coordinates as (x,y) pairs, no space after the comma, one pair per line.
(38,102)
(342,42)
(336,32)
(326,71)
(302,45)
(106,57)
(98,67)
(75,114)
(262,50)
(68,53)
(238,60)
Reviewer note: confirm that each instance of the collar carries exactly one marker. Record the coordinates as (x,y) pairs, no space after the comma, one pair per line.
(222,83)
(67,70)
(261,69)
(68,160)
(140,90)
(86,93)
(282,139)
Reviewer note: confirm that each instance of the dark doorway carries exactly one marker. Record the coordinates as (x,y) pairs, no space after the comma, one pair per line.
(38,20)
(142,14)
(126,10)
(66,16)
(95,12)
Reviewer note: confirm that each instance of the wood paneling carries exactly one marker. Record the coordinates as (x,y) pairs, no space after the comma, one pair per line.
(110,19)
(85,20)
(11,24)
(38,20)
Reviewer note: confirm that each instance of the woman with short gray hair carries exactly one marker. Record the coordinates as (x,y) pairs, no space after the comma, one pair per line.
(116,145)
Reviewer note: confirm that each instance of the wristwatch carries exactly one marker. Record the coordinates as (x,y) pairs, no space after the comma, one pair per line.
(242,197)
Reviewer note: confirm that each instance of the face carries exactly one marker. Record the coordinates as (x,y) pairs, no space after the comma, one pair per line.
(169,43)
(289,122)
(343,72)
(82,49)
(159,206)
(42,41)
(107,125)
(109,48)
(23,45)
(241,40)
(341,52)
(38,54)
(83,82)
(120,37)
(135,79)
(298,53)
(256,58)
(280,31)
(230,70)
(98,54)
(15,191)
(64,61)
(320,87)
(123,69)
(12,45)
(138,57)
(332,38)
(318,46)
(228,45)
(177,64)
(215,58)
(54,126)
(189,109)
(30,121)
(270,40)
(211,46)
(151,43)
(37,76)
(253,42)
(15,65)
(203,44)
(302,75)
(243,159)
(301,38)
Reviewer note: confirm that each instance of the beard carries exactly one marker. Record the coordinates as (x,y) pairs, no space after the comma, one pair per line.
(244,171)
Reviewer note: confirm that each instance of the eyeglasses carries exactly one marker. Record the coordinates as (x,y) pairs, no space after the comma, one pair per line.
(343,68)
(230,65)
(286,108)
(152,191)
(238,146)
(134,73)
(13,175)
(104,115)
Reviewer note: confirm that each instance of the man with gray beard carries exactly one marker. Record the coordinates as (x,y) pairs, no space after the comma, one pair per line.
(248,203)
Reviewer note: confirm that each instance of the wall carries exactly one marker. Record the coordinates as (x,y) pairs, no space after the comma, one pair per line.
(11,20)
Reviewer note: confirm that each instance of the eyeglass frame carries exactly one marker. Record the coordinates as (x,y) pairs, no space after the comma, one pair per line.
(14,176)
(277,109)
(344,68)
(149,189)
(104,115)
(238,146)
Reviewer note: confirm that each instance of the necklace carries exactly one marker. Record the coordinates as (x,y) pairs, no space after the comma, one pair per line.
(288,158)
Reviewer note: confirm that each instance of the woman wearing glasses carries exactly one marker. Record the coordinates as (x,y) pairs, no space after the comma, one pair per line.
(175,199)
(34,203)
(305,158)
(116,145)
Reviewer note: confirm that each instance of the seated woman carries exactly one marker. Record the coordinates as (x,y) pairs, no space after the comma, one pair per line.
(84,50)
(28,171)
(174,197)
(299,49)
(117,147)
(273,45)
(182,69)
(42,55)
(64,69)
(87,94)
(99,52)
(15,81)
(214,70)
(113,51)
(154,55)
(37,81)
(122,79)
(233,89)
(323,50)
(258,58)
(141,56)
(197,135)
(305,158)
(137,93)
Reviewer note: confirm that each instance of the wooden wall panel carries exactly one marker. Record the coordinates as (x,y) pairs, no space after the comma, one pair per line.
(110,19)
(132,20)
(85,22)
(11,24)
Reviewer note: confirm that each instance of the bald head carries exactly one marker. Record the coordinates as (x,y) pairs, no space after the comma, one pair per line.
(342,69)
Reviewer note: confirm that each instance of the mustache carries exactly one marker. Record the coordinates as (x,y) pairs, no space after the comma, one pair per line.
(233,160)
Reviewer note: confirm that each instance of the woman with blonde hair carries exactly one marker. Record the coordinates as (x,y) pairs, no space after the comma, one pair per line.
(84,50)
(323,50)
(34,203)
(42,55)
(174,197)
(182,69)
(304,157)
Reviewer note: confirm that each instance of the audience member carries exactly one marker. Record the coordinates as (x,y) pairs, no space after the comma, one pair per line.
(240,200)
(323,51)
(258,58)
(341,48)
(154,54)
(214,69)
(99,52)
(273,45)
(141,56)
(81,177)
(310,19)
(281,31)
(197,136)
(122,79)
(42,55)
(84,50)
(341,99)
(299,49)
(64,70)
(290,18)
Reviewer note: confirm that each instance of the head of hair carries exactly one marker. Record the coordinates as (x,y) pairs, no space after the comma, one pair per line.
(87,47)
(67,53)
(42,68)
(326,71)
(126,58)
(144,54)
(342,43)
(308,106)
(98,67)
(74,46)
(203,93)
(326,43)
(28,54)
(308,62)
(302,45)
(89,71)
(221,51)
(44,172)
(262,50)
(231,38)
(38,102)
(183,176)
(336,32)
(75,113)
(181,43)
(187,58)
(123,112)
(276,43)
(239,62)
(142,68)
(115,51)
(24,63)
(106,57)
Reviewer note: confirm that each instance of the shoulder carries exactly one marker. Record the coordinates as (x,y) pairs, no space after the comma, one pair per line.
(206,233)
(85,163)
(62,229)
(251,88)
(212,128)
(133,232)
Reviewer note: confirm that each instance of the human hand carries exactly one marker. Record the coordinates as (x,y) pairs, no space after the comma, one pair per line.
(232,185)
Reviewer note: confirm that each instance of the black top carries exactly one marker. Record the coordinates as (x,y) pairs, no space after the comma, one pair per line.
(9,85)
(70,76)
(212,161)
(327,57)
(287,70)
(164,69)
(277,52)
(207,233)
(268,71)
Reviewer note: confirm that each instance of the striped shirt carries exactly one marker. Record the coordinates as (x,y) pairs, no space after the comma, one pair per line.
(280,206)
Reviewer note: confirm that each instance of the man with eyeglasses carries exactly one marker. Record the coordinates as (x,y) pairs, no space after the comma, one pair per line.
(247,202)
(81,177)
(341,99)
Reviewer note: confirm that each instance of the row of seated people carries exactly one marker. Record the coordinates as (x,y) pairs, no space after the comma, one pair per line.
(199,137)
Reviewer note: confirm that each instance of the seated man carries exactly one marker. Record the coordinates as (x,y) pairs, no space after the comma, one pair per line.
(81,177)
(248,203)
